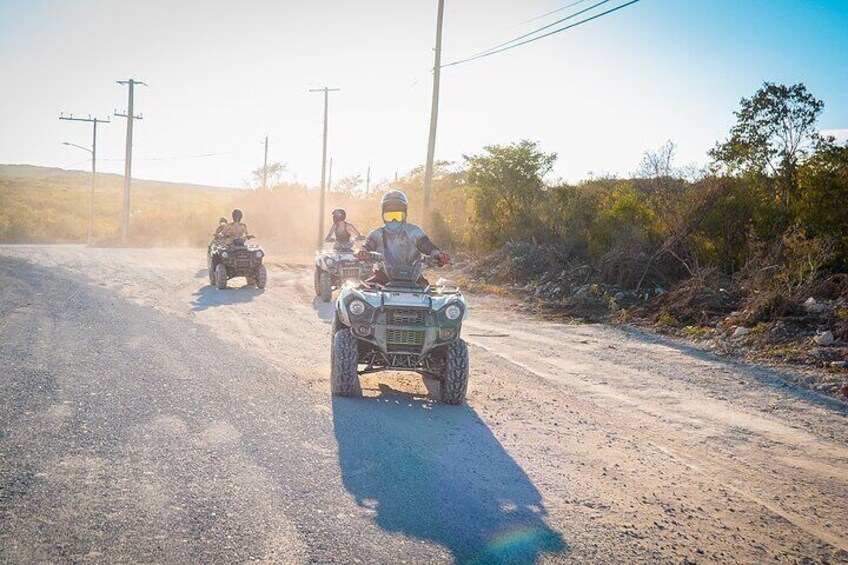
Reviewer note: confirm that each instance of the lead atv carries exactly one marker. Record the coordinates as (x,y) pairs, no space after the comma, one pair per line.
(401,326)
(237,259)
(334,267)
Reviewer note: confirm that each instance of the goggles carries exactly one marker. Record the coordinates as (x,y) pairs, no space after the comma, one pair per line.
(395,216)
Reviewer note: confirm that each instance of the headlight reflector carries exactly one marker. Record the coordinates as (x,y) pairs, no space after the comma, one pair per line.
(330,262)
(453,312)
(259,254)
(357,307)
(225,254)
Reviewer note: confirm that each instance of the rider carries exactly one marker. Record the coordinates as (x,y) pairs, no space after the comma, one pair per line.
(222,225)
(342,230)
(236,229)
(400,242)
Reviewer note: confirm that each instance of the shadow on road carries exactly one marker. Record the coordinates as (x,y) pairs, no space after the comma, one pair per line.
(436,472)
(325,310)
(209,296)
(201,274)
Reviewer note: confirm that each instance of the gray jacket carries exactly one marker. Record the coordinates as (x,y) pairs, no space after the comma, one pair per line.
(401,248)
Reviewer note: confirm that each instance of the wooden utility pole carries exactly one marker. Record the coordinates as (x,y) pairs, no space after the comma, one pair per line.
(326,92)
(368,181)
(125,218)
(265,167)
(434,116)
(330,177)
(93,151)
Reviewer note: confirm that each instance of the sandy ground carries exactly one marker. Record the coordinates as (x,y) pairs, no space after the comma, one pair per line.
(608,446)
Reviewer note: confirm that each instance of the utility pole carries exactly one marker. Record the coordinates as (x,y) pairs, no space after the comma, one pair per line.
(326,92)
(330,177)
(94,121)
(265,167)
(125,218)
(368,181)
(434,115)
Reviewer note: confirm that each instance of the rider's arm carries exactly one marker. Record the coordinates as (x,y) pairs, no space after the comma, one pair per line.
(426,246)
(330,234)
(352,228)
(371,242)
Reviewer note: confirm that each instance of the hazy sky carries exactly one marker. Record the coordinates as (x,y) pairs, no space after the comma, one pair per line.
(223,74)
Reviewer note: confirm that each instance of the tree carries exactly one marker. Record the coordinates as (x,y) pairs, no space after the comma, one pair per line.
(774,132)
(348,185)
(509,186)
(272,175)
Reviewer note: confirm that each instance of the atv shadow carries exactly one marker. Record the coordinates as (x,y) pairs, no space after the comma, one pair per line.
(325,310)
(436,472)
(209,296)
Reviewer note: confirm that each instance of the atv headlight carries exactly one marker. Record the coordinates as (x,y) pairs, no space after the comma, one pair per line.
(330,262)
(357,307)
(453,312)
(259,254)
(224,255)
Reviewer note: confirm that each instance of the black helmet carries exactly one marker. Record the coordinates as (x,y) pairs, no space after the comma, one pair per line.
(393,208)
(339,215)
(394,201)
(237,215)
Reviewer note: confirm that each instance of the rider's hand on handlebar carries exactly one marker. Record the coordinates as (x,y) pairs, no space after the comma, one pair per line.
(362,255)
(442,257)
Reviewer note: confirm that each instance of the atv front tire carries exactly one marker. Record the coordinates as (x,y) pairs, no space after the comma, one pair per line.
(454,383)
(210,268)
(326,287)
(221,276)
(344,380)
(261,277)
(317,280)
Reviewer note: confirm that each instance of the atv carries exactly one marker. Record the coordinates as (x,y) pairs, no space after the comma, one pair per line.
(401,326)
(237,259)
(334,267)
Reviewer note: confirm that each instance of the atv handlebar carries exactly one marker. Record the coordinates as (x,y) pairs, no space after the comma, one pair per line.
(375,257)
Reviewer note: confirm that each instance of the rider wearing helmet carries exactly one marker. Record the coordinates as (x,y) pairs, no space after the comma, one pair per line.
(236,229)
(400,242)
(342,230)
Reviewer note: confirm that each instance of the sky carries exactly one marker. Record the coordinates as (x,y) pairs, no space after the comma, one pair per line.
(224,74)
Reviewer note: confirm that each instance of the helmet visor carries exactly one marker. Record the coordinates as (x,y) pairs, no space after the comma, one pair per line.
(394,216)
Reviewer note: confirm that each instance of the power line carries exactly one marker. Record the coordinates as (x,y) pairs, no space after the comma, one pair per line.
(550,25)
(525,42)
(201,156)
(546,14)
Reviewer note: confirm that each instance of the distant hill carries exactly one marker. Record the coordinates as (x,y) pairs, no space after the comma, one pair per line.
(50,205)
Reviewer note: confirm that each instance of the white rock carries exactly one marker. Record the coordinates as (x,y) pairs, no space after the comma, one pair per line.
(824,339)
(740,331)
(813,307)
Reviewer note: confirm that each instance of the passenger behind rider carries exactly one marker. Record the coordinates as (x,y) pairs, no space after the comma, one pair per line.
(222,225)
(235,229)
(400,242)
(342,231)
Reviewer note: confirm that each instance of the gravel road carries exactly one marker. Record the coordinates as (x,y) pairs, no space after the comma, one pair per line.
(146,417)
